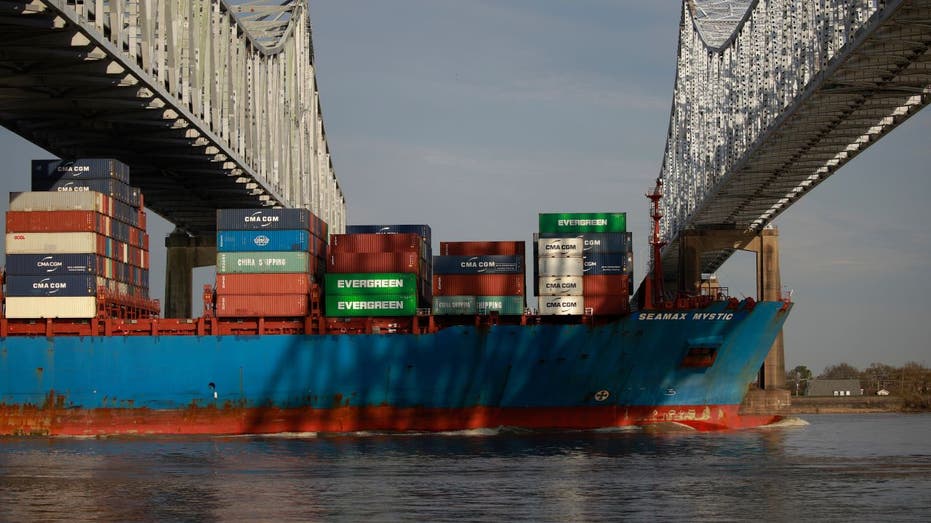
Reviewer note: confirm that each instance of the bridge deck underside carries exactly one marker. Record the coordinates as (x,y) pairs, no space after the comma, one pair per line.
(878,85)
(69,96)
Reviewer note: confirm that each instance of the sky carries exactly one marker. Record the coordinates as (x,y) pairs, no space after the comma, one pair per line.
(475,116)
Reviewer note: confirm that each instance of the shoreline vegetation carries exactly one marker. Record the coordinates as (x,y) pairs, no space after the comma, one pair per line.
(859,404)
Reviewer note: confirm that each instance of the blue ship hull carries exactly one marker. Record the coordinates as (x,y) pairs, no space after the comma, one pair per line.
(688,366)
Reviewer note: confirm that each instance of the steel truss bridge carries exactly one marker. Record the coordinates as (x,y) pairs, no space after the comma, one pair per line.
(212,104)
(772,97)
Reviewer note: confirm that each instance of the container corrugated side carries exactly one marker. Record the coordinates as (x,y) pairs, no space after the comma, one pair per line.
(33,307)
(606,263)
(62,201)
(51,285)
(560,246)
(560,266)
(266,262)
(560,285)
(362,306)
(583,222)
(606,305)
(453,305)
(483,248)
(51,243)
(116,189)
(261,305)
(605,285)
(505,305)
(374,262)
(283,283)
(258,219)
(423,230)
(478,284)
(361,284)
(83,168)
(561,305)
(484,264)
(372,243)
(263,241)
(36,264)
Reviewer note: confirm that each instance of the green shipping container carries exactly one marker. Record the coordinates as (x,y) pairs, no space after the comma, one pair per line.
(370,284)
(362,306)
(582,222)
(507,305)
(262,262)
(453,305)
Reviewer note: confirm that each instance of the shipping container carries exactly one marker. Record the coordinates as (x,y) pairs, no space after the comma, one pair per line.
(597,242)
(264,219)
(26,307)
(583,222)
(504,305)
(263,241)
(261,305)
(453,305)
(606,263)
(361,284)
(286,283)
(51,285)
(478,284)
(375,262)
(266,262)
(486,264)
(560,266)
(423,231)
(561,305)
(606,285)
(57,221)
(480,248)
(65,201)
(560,247)
(113,188)
(36,264)
(51,243)
(606,305)
(80,169)
(361,306)
(560,286)
(374,243)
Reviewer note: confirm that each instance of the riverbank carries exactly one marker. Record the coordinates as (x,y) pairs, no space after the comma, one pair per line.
(850,405)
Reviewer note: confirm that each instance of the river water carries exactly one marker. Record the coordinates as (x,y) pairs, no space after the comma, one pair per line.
(872,467)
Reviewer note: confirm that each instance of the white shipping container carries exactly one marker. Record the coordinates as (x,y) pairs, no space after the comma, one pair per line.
(560,266)
(561,305)
(559,285)
(58,201)
(51,307)
(51,243)
(560,247)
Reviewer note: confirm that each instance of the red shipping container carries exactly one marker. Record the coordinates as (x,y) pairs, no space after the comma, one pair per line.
(288,283)
(497,248)
(374,262)
(603,305)
(478,284)
(374,243)
(255,305)
(604,285)
(55,221)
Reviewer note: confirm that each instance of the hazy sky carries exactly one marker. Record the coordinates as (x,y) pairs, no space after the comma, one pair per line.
(474,116)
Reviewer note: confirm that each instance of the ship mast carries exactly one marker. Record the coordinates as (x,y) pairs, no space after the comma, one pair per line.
(655,282)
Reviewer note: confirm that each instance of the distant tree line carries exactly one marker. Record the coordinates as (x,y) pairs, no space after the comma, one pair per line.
(911,379)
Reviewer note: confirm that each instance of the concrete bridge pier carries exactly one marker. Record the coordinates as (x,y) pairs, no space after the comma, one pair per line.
(765,244)
(185,252)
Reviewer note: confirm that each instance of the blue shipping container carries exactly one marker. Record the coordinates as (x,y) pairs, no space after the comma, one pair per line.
(54,285)
(608,263)
(263,241)
(262,219)
(488,264)
(81,169)
(42,264)
(113,188)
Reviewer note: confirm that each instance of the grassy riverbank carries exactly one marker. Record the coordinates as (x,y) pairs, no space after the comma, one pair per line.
(858,404)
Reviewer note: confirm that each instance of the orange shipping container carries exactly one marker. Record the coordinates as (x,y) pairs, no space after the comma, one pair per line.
(289,283)
(266,305)
(57,221)
(604,305)
(501,248)
(478,284)
(604,285)
(372,243)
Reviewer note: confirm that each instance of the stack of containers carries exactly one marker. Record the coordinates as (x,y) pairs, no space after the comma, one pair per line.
(378,270)
(584,261)
(81,231)
(268,261)
(479,278)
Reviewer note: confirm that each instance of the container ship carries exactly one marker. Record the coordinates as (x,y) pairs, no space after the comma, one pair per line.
(312,331)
